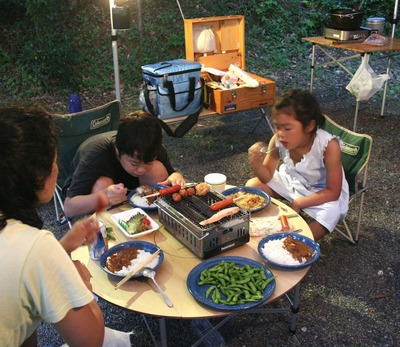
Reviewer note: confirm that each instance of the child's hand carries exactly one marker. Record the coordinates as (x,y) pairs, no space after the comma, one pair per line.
(83,231)
(174,179)
(116,193)
(295,205)
(255,154)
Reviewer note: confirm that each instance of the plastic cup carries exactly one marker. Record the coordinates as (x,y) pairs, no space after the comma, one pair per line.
(217,181)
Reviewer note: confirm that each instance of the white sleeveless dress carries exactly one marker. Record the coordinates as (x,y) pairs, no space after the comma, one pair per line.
(308,176)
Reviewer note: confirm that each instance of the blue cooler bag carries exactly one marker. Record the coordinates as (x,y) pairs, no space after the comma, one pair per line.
(171,88)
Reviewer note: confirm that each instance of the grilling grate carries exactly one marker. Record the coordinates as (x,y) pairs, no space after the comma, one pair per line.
(182,220)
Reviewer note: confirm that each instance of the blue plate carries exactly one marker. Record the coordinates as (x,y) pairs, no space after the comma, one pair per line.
(278,236)
(133,195)
(146,246)
(199,292)
(249,190)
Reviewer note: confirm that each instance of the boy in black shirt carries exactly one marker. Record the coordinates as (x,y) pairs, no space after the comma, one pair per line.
(116,161)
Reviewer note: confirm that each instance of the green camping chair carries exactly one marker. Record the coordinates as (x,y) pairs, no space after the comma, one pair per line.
(74,129)
(355,157)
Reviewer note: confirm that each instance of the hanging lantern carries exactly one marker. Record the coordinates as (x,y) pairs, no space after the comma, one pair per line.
(121,17)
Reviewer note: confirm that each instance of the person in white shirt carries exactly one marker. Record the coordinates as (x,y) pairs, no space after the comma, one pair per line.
(40,281)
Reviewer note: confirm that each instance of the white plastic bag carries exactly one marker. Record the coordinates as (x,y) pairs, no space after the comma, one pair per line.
(365,82)
(204,39)
(116,338)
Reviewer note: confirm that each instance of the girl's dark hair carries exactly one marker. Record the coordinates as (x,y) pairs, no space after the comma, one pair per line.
(139,135)
(304,105)
(28,145)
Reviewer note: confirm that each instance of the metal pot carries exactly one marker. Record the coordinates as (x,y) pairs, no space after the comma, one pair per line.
(377,23)
(346,19)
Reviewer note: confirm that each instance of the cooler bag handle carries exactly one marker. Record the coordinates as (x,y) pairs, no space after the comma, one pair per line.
(149,105)
(163,65)
(188,123)
(171,93)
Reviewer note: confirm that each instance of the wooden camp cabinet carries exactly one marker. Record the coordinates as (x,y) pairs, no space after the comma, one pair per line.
(229,49)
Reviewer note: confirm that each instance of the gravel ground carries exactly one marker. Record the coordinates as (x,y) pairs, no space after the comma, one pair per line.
(350,297)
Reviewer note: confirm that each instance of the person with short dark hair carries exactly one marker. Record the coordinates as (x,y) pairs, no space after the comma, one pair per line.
(311,175)
(116,161)
(40,281)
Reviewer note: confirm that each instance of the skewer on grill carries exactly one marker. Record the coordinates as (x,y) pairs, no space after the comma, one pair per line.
(165,191)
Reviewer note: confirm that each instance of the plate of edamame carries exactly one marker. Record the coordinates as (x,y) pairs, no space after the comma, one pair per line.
(231,283)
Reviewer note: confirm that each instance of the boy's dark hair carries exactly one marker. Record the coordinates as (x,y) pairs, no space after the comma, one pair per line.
(28,145)
(304,105)
(139,135)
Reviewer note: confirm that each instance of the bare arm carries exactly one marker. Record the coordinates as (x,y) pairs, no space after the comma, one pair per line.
(83,326)
(333,165)
(86,204)
(81,204)
(264,167)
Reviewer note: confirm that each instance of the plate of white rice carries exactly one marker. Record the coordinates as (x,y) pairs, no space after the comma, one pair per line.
(144,250)
(272,250)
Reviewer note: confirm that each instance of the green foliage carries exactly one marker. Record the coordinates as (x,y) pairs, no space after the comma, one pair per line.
(49,45)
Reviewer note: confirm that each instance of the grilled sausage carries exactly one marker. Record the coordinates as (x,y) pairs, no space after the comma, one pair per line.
(169,190)
(284,223)
(219,205)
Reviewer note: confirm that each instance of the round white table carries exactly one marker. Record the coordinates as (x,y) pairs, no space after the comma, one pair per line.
(142,296)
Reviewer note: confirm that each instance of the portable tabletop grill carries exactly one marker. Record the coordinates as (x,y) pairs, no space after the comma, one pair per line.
(182,220)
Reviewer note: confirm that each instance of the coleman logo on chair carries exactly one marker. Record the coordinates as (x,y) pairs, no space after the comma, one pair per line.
(350,149)
(99,122)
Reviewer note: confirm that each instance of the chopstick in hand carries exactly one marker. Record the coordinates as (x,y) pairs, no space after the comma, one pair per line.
(135,270)
(266,150)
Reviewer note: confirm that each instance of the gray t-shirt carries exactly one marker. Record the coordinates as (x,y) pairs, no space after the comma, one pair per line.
(95,158)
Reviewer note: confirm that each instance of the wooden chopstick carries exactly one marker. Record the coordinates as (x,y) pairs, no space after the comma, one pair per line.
(151,195)
(137,269)
(266,150)
(117,205)
(239,198)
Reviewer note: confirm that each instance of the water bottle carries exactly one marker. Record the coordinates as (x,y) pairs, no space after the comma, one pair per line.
(75,104)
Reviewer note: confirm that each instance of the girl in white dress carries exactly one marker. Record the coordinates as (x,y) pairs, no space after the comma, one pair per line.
(311,175)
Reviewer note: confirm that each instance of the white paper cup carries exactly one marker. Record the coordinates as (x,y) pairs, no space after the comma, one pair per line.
(217,181)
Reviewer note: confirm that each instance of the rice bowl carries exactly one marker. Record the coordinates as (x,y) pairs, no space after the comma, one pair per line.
(135,263)
(271,250)
(144,250)
(275,252)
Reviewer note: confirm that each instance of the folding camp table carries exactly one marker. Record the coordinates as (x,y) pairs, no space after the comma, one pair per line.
(321,42)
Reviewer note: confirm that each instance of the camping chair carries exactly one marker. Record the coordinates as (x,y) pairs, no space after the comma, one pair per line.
(355,157)
(74,129)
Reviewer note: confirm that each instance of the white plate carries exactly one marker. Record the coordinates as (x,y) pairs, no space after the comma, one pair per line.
(126,215)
